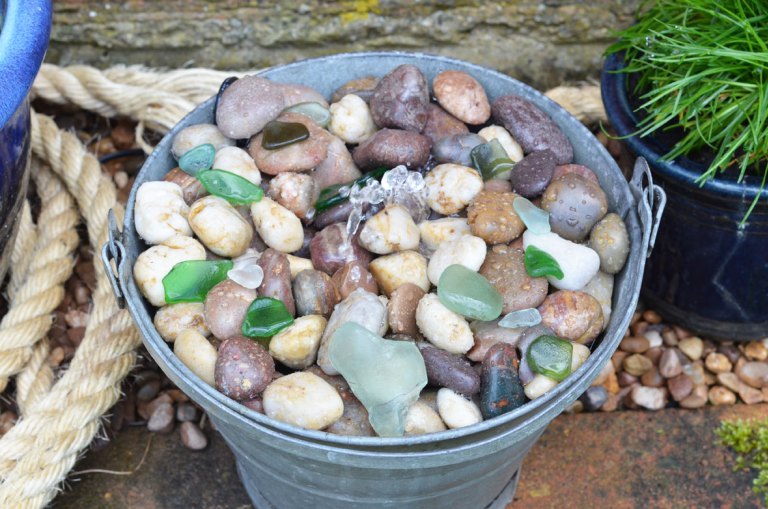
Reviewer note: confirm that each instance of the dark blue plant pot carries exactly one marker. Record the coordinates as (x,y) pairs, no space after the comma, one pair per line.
(25,26)
(705,273)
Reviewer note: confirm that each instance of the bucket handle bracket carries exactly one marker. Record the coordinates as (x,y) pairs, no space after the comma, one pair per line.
(113,257)
(651,200)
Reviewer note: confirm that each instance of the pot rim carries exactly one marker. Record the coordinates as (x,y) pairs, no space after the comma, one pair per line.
(24,38)
(683,171)
(601,353)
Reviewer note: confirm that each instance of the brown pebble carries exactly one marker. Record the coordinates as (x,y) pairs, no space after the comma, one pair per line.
(750,395)
(161,420)
(717,363)
(669,337)
(254,404)
(681,332)
(7,421)
(401,309)
(636,364)
(146,409)
(730,351)
(697,398)
(617,358)
(75,335)
(187,412)
(638,329)
(192,437)
(652,378)
(177,395)
(756,351)
(721,396)
(148,391)
(651,316)
(680,387)
(654,354)
(624,379)
(634,344)
(707,348)
(492,217)
(56,357)
(636,316)
(729,381)
(82,294)
(692,346)
(754,374)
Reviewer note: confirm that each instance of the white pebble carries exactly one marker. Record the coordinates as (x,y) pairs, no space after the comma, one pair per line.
(421,419)
(391,229)
(601,288)
(351,119)
(467,250)
(197,353)
(296,345)
(156,262)
(297,264)
(198,134)
(442,327)
(172,319)
(455,410)
(295,191)
(303,399)
(238,161)
(220,226)
(539,386)
(578,263)
(394,270)
(579,356)
(435,232)
(161,212)
(450,187)
(654,338)
(511,147)
(278,227)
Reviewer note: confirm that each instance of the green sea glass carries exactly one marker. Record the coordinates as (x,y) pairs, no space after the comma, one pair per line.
(550,356)
(191,280)
(233,188)
(490,159)
(266,316)
(521,318)
(197,159)
(467,293)
(535,219)
(539,263)
(385,375)
(279,134)
(314,110)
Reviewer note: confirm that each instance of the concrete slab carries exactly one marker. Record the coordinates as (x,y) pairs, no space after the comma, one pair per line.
(667,459)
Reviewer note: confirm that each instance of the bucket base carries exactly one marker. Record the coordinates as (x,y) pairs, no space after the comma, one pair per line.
(259,502)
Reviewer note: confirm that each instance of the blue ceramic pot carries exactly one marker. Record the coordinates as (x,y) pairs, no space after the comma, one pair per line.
(24,29)
(705,273)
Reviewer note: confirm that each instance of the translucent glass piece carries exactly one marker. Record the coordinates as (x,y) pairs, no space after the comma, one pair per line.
(535,219)
(522,318)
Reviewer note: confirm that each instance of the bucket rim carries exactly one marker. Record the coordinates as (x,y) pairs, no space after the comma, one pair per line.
(189,382)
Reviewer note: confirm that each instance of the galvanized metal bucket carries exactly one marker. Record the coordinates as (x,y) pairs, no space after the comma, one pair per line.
(283,466)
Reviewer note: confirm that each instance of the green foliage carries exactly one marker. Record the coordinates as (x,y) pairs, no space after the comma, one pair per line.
(703,67)
(749,439)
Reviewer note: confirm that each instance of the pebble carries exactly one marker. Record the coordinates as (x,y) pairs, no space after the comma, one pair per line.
(351,276)
(192,437)
(696,372)
(300,156)
(492,217)
(451,187)
(354,420)
(750,395)
(197,353)
(610,239)
(456,149)
(487,334)
(337,167)
(294,191)
(314,293)
(575,205)
(669,364)
(539,386)
(390,230)
(391,148)
(392,271)
(296,346)
(442,327)
(400,99)
(468,251)
(573,315)
(670,338)
(633,344)
(531,127)
(624,379)
(594,398)
(330,249)
(277,278)
(717,363)
(578,263)
(579,169)
(651,398)
(220,227)
(756,351)
(161,212)
(162,419)
(697,399)
(457,411)
(238,161)
(148,391)
(448,370)
(511,147)
(277,226)
(401,310)
(533,173)
(503,267)
(296,95)
(693,347)
(654,338)
(172,319)
(754,374)
(225,307)
(385,375)
(303,399)
(361,307)
(462,96)
(196,135)
(721,396)
(243,369)
(441,124)
(186,412)
(729,381)
(652,378)
(502,391)
(422,419)
(636,364)
(351,119)
(435,232)
(680,387)
(362,87)
(247,105)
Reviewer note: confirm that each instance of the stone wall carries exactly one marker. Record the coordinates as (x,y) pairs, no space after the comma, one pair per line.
(542,42)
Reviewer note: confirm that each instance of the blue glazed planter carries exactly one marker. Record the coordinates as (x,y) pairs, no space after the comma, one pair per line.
(24,31)
(705,273)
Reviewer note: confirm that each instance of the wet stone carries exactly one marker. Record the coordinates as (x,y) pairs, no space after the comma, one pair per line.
(351,276)
(491,217)
(331,249)
(449,370)
(462,96)
(533,174)
(247,105)
(573,315)
(392,147)
(502,391)
(575,205)
(610,239)
(594,398)
(504,269)
(277,278)
(400,99)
